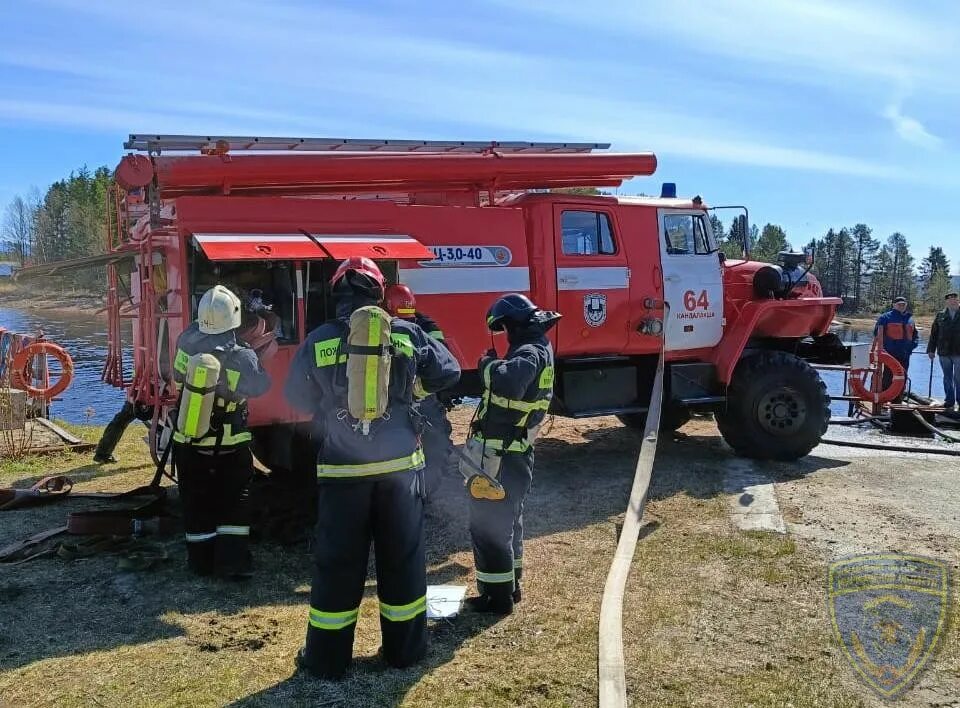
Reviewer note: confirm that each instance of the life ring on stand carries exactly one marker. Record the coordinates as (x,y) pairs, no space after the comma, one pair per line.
(858,380)
(23,369)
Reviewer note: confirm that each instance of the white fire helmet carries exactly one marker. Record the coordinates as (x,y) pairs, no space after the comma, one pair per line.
(219,311)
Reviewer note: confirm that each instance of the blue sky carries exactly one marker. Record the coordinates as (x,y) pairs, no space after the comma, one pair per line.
(814,114)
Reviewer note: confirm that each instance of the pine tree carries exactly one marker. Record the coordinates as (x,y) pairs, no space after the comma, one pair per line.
(70,221)
(881,280)
(866,248)
(936,260)
(901,272)
(937,288)
(771,242)
(717,226)
(934,272)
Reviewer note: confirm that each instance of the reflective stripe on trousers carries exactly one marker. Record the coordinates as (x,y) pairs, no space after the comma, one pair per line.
(506,577)
(404,613)
(233,530)
(200,537)
(229,438)
(333,620)
(410,462)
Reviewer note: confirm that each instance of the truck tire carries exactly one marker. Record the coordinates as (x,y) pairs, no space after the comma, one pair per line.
(777,407)
(671,418)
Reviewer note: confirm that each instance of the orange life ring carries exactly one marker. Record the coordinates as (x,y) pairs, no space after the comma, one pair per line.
(858,378)
(23,369)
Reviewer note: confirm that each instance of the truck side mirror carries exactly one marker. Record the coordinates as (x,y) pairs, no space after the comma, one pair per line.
(722,256)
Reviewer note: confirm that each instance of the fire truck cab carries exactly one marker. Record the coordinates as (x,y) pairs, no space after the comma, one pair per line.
(461,224)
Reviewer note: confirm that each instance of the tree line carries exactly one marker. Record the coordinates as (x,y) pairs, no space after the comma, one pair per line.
(852,264)
(68,221)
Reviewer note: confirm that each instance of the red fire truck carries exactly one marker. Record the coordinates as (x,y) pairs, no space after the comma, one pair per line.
(462,223)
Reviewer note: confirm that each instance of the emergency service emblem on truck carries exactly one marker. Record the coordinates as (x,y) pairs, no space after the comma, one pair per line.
(595,309)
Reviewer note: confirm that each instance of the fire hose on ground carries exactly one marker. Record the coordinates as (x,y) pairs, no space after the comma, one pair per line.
(610,659)
(933,429)
(891,448)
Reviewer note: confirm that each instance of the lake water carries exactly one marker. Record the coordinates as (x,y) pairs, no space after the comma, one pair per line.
(90,400)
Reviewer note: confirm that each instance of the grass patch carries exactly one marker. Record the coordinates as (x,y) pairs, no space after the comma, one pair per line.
(713,617)
(30,467)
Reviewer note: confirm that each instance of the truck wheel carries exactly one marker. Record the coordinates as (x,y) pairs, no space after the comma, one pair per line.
(671,418)
(777,407)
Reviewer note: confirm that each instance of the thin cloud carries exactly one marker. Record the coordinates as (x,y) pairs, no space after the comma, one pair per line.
(910,129)
(808,41)
(265,73)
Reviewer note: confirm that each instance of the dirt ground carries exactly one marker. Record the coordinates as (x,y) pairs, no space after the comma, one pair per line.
(714,616)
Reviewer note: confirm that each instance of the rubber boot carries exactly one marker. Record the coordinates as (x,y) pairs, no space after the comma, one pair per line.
(112,434)
(491,604)
(303,666)
(108,441)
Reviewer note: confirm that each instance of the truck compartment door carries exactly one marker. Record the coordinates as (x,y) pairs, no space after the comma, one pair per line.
(593,281)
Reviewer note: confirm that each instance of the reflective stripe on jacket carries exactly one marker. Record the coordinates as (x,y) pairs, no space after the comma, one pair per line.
(517,391)
(317,383)
(241,377)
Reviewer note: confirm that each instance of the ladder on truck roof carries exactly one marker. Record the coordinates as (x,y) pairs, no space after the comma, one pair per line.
(221,143)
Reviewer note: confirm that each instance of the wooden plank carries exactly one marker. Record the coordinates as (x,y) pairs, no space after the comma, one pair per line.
(64,434)
(82,447)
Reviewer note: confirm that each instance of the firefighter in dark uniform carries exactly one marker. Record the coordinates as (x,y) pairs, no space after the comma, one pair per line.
(516,395)
(370,486)
(399,301)
(215,469)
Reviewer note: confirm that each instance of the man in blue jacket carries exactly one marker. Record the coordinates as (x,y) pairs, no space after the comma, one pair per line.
(900,336)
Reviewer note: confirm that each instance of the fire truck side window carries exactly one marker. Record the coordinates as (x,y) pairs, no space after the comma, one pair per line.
(685,234)
(587,233)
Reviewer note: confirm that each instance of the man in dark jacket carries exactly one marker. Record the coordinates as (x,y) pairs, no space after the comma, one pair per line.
(517,393)
(370,483)
(945,342)
(215,468)
(900,336)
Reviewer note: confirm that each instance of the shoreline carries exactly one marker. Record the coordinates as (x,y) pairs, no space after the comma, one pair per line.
(925,321)
(89,304)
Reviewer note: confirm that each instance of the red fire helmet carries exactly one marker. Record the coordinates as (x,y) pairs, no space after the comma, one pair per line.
(400,301)
(361,265)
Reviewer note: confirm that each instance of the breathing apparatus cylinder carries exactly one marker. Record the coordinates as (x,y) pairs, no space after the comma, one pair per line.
(199,394)
(369,355)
